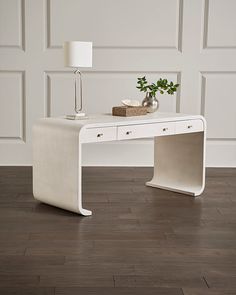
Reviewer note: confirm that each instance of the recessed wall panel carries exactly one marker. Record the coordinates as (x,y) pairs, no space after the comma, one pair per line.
(11,110)
(59,94)
(219,104)
(220,24)
(101,91)
(11,18)
(110,23)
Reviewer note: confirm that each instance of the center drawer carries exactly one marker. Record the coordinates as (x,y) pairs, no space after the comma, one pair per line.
(145,130)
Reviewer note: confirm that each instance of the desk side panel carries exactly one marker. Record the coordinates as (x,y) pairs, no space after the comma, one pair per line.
(55,165)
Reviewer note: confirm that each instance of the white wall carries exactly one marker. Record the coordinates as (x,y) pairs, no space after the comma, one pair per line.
(189,41)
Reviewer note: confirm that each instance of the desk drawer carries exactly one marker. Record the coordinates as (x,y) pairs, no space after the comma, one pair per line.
(145,130)
(189,126)
(99,134)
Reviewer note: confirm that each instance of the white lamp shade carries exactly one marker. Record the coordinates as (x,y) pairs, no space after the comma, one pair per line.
(78,54)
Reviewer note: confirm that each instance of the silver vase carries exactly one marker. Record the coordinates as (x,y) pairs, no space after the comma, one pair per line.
(151,103)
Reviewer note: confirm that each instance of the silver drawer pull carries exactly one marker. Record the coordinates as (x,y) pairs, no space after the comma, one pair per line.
(165,129)
(190,126)
(100,135)
(128,132)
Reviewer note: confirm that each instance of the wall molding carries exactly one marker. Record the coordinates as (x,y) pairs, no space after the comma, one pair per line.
(22,137)
(179,32)
(203,98)
(21,45)
(179,25)
(47,84)
(206,30)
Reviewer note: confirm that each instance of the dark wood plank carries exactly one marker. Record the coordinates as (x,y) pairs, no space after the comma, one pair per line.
(199,291)
(17,262)
(139,240)
(74,280)
(26,291)
(18,280)
(161,280)
(118,291)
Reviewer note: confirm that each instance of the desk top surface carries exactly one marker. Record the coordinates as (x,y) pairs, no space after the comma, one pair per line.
(98,120)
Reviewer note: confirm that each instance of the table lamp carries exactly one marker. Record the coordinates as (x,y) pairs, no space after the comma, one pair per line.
(78,54)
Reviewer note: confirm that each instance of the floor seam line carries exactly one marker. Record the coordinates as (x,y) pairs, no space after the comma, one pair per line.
(206,282)
(114,281)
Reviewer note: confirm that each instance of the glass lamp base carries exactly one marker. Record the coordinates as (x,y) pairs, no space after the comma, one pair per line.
(79,116)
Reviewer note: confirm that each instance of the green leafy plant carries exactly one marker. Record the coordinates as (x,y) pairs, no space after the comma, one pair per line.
(162,85)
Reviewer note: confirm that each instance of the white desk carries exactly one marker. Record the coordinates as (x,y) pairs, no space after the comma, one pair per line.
(179,155)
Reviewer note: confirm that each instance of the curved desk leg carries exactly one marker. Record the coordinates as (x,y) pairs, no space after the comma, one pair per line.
(179,163)
(57,167)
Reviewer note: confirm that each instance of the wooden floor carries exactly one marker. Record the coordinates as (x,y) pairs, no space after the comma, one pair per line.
(139,240)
